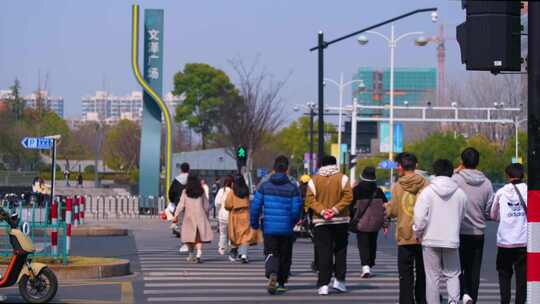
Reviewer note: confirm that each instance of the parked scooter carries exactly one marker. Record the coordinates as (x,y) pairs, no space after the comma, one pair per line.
(37,283)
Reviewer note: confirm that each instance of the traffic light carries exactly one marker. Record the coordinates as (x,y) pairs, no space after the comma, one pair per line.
(241,156)
(490,37)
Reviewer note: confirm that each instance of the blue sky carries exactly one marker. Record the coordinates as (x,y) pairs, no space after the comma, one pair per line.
(83,45)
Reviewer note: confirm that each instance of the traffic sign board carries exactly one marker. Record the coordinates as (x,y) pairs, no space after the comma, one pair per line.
(387,164)
(41,143)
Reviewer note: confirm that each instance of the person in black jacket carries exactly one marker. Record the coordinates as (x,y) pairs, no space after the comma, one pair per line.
(175,192)
(369,200)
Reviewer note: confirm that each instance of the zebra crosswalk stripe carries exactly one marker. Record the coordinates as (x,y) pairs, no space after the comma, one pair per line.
(169,278)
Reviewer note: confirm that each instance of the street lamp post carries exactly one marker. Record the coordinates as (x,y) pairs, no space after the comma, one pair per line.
(311,106)
(516,126)
(321,45)
(353,140)
(392,43)
(341,86)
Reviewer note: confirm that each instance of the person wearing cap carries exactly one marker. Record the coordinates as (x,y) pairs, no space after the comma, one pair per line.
(368,216)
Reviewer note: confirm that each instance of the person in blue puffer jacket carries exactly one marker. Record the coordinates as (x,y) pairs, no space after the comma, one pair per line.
(278,201)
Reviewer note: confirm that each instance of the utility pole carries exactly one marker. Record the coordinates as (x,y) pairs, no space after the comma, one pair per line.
(533,65)
(533,195)
(321,47)
(353,143)
(311,114)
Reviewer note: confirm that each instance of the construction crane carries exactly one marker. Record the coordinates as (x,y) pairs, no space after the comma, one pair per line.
(440,40)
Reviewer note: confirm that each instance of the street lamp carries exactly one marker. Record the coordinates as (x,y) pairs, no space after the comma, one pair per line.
(392,43)
(321,45)
(516,127)
(341,86)
(311,106)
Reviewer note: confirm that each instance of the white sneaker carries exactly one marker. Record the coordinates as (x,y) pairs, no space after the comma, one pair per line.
(339,286)
(221,251)
(323,290)
(467,299)
(366,271)
(244,259)
(183,249)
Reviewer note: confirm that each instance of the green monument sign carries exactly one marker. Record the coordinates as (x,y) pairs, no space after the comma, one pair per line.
(153,105)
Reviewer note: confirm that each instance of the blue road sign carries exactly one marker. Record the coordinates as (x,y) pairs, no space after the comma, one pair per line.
(40,143)
(262,172)
(387,164)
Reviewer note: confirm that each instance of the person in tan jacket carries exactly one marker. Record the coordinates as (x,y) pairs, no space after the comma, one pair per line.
(329,195)
(401,206)
(239,230)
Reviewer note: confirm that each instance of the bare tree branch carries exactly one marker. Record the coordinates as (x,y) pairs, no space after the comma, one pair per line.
(256,111)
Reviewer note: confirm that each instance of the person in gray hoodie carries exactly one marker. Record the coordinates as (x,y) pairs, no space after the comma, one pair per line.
(479,192)
(438,214)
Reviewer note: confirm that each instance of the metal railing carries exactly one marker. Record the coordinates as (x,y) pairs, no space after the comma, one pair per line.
(122,207)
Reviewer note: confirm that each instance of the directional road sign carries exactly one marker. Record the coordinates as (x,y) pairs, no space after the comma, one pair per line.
(40,143)
(387,164)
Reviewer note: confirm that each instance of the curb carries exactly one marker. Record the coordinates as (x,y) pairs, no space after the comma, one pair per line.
(66,273)
(85,231)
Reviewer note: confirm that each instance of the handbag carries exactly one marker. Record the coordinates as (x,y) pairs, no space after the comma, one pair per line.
(521,200)
(358,215)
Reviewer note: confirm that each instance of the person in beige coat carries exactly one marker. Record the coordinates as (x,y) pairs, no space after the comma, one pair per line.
(196,228)
(239,229)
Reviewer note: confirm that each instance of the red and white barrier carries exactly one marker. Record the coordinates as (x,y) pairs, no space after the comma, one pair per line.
(69,204)
(76,200)
(82,207)
(533,255)
(54,232)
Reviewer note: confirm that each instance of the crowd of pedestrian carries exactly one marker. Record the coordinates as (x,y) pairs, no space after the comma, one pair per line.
(440,223)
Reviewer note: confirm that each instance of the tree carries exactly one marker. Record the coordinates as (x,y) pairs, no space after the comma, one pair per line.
(85,137)
(510,148)
(485,90)
(491,162)
(293,140)
(122,146)
(16,103)
(248,118)
(437,145)
(205,89)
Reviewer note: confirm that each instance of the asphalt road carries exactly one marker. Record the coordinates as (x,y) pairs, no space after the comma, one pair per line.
(166,277)
(162,275)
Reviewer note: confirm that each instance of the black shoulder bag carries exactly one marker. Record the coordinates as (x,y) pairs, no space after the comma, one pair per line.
(358,214)
(521,200)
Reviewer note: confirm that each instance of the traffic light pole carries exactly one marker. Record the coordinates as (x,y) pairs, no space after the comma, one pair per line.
(321,47)
(533,65)
(533,214)
(311,114)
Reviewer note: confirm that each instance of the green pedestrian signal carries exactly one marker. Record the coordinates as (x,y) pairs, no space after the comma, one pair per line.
(241,157)
(241,153)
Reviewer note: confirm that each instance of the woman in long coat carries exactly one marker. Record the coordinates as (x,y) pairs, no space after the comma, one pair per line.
(239,229)
(196,228)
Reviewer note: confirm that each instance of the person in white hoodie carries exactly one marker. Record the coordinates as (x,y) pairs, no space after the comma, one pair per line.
(479,191)
(438,214)
(223,214)
(510,209)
